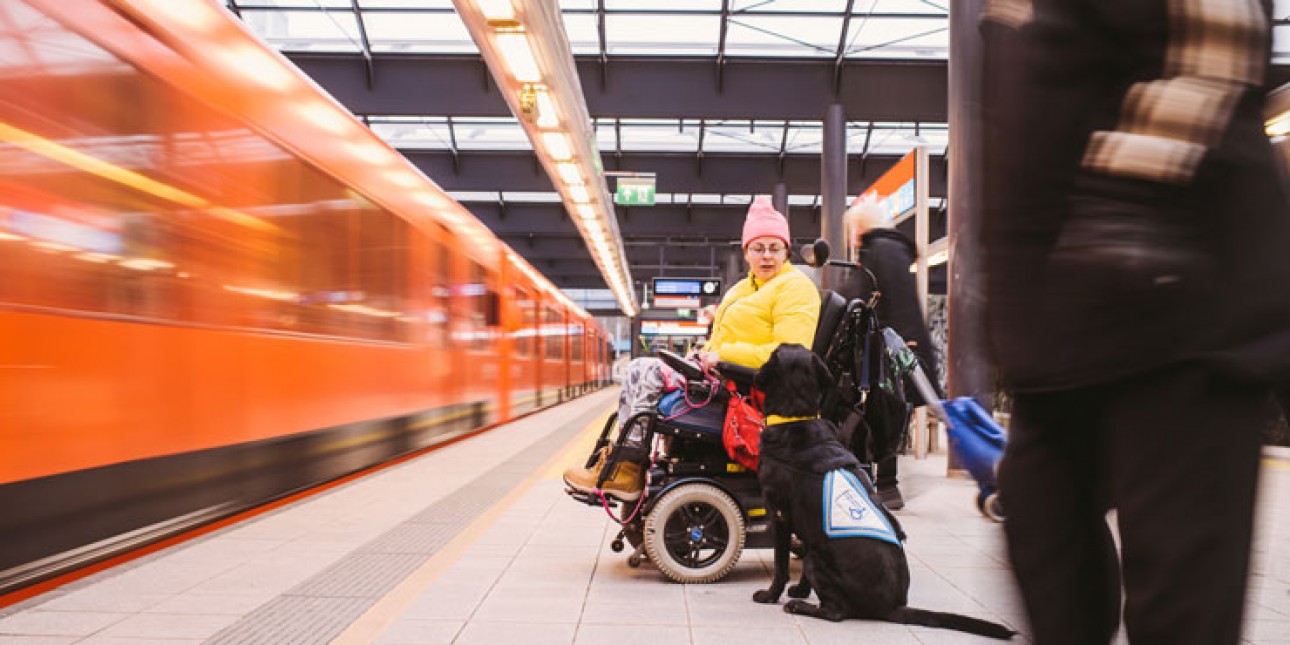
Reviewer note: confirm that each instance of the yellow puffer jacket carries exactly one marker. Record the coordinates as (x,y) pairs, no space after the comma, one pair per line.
(754,318)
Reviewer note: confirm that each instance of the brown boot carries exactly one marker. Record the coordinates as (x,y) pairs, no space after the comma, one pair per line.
(626,483)
(584,479)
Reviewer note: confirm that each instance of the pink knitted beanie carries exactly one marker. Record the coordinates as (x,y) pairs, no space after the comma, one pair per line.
(764,221)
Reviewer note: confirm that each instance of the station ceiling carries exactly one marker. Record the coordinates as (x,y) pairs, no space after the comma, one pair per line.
(721,99)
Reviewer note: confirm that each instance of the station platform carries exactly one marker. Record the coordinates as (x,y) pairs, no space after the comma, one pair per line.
(476,543)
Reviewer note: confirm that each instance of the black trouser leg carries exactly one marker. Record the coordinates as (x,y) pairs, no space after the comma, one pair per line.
(1177,453)
(1185,453)
(1060,545)
(885,475)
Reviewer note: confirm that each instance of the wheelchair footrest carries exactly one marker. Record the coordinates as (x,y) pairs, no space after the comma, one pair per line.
(590,499)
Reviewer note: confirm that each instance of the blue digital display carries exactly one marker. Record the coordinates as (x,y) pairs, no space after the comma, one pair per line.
(687,286)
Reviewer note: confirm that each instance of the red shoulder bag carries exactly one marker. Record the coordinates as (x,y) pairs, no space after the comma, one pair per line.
(742,431)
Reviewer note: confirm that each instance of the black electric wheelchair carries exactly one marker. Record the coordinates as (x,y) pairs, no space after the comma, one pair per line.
(700,509)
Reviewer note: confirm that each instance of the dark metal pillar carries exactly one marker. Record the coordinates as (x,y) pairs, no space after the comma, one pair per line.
(734,268)
(967,366)
(833,181)
(779,198)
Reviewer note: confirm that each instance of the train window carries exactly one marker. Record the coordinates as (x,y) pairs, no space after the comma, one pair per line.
(202,220)
(524,334)
(382,273)
(576,343)
(482,308)
(553,333)
(436,297)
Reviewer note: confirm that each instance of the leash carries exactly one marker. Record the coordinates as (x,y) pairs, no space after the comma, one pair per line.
(640,503)
(708,379)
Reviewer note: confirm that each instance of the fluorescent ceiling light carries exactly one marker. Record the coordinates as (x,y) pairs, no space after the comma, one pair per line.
(518,55)
(496,9)
(547,116)
(558,146)
(569,173)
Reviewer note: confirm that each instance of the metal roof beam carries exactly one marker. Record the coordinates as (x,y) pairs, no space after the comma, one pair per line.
(473,170)
(651,88)
(364,42)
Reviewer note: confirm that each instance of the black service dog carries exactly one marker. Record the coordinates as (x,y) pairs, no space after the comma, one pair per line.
(853,557)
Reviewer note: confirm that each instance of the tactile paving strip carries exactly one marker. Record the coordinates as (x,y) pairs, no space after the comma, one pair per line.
(320,608)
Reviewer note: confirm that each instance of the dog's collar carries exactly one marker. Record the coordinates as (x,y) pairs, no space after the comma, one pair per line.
(775,419)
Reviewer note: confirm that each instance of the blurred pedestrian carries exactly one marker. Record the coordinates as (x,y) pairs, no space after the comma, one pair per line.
(1137,250)
(887,254)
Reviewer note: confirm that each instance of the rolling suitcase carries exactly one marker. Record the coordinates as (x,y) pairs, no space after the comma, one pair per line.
(975,437)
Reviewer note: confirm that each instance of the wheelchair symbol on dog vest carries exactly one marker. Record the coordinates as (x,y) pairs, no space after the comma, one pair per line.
(850,512)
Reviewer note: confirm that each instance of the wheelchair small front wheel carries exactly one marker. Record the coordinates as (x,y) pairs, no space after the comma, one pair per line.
(695,533)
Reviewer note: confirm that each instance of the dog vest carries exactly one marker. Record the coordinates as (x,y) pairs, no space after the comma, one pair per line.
(850,512)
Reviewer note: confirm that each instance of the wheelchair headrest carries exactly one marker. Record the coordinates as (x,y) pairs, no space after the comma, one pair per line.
(832,306)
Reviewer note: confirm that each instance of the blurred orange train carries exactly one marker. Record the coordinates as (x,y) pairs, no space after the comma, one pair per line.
(217,287)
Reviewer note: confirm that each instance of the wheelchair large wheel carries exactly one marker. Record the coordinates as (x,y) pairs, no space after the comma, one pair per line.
(695,533)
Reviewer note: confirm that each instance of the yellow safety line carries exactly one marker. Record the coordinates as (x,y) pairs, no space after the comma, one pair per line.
(368,627)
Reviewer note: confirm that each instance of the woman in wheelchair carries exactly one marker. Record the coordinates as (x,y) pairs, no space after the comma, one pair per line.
(774,304)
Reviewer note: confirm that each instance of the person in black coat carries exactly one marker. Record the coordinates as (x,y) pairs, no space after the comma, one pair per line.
(1136,237)
(887,254)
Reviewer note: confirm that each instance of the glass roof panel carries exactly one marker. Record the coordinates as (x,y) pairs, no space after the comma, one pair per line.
(490,134)
(663,34)
(583,33)
(405,4)
(659,136)
(665,135)
(888,139)
(520,196)
(678,199)
(908,6)
(318,30)
(475,195)
(312,4)
(898,37)
(417,32)
(776,28)
(763,35)
(804,138)
(421,134)
(606,140)
(742,136)
(663,5)
(813,6)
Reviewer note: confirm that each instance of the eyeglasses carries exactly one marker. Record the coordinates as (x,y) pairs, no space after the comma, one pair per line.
(773,249)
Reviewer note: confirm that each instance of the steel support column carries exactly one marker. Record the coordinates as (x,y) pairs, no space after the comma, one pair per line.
(779,198)
(968,367)
(833,181)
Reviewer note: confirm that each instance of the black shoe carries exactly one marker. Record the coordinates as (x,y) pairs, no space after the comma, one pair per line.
(890,497)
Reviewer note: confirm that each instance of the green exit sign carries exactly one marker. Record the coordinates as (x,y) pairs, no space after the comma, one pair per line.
(635,191)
